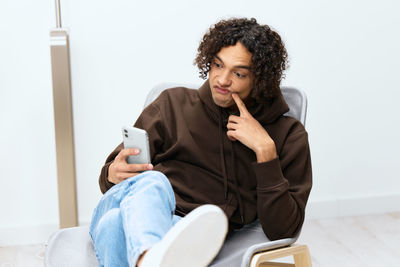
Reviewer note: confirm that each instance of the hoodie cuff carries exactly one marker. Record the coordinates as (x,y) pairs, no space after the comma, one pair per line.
(268,174)
(104,183)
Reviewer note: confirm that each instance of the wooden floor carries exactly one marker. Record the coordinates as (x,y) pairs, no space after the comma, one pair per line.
(372,240)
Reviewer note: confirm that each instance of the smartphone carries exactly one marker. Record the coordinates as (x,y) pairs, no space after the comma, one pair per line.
(136,138)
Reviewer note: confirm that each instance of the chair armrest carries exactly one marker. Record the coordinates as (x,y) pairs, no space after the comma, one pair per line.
(261,247)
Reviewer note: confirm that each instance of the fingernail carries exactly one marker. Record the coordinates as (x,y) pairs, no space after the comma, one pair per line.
(136,151)
(149,167)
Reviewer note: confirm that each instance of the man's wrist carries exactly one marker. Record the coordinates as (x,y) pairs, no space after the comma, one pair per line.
(108,174)
(266,153)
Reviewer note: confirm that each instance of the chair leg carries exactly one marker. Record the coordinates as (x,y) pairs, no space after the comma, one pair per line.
(300,254)
(302,259)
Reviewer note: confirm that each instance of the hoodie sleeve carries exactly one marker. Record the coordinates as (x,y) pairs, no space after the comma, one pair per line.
(151,121)
(283,186)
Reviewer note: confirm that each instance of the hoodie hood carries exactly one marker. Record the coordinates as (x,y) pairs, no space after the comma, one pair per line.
(264,113)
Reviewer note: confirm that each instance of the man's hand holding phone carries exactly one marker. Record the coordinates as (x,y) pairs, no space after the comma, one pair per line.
(120,170)
(134,158)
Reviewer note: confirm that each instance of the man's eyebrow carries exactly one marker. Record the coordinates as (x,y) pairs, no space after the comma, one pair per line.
(243,67)
(237,67)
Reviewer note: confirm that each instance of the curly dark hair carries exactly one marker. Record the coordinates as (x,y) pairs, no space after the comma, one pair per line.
(269,56)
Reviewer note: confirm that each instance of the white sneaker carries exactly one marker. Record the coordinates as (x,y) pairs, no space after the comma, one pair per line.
(194,241)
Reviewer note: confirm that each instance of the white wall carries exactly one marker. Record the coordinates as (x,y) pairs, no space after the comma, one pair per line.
(28,184)
(342,53)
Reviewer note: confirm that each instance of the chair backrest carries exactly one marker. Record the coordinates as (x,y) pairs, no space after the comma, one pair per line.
(295,98)
(297,102)
(157,89)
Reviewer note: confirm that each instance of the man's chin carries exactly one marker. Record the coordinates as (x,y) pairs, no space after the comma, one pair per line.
(223,105)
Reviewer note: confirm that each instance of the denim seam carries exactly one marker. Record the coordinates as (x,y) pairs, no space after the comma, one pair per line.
(95,251)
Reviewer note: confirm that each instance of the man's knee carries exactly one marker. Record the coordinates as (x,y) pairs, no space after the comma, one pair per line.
(156,184)
(157,179)
(157,176)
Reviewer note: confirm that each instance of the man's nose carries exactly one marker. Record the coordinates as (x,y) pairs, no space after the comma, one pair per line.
(224,79)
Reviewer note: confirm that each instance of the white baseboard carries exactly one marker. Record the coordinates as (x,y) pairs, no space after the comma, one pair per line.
(29,234)
(26,234)
(317,209)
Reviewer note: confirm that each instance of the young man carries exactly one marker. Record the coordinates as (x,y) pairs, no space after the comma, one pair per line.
(226,144)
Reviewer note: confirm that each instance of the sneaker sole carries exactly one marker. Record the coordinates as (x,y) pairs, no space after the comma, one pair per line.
(196,239)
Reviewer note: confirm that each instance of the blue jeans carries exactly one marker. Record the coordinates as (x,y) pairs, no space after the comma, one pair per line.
(131,217)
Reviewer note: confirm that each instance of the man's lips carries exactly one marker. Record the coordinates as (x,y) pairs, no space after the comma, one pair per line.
(221,90)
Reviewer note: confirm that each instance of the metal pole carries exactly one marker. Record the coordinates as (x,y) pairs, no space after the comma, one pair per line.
(58,14)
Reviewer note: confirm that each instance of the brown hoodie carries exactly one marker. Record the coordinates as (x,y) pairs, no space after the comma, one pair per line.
(188,143)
